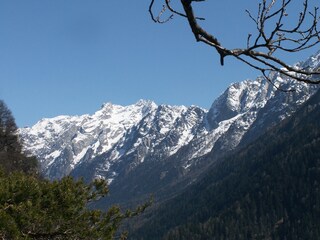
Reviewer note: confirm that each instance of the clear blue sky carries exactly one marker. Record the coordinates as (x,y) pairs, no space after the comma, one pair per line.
(70,56)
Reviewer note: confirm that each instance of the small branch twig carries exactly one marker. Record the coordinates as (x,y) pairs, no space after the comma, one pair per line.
(260,50)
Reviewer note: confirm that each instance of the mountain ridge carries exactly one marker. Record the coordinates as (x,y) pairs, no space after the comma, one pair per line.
(161,142)
(266,190)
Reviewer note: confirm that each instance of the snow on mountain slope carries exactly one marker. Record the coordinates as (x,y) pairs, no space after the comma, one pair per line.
(69,139)
(117,139)
(64,142)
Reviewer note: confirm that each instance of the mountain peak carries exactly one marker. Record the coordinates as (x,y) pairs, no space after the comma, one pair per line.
(144,102)
(116,139)
(106,105)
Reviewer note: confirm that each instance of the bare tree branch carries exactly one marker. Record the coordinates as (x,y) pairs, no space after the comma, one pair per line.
(164,8)
(260,49)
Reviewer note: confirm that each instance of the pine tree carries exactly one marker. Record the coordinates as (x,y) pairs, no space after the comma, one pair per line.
(11,156)
(35,208)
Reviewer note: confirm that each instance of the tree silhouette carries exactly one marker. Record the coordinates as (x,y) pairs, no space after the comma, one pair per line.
(261,48)
(11,156)
(8,130)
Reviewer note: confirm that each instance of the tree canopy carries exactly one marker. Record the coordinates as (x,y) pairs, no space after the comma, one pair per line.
(35,208)
(11,156)
(39,209)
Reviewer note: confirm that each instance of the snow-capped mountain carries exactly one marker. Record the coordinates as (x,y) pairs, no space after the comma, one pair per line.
(65,142)
(130,144)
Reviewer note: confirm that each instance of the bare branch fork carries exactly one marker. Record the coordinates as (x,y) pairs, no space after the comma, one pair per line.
(260,50)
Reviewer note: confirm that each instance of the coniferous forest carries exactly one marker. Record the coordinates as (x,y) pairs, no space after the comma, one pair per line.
(247,168)
(267,190)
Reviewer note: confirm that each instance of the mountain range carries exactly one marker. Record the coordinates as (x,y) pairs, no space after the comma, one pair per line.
(146,148)
(268,189)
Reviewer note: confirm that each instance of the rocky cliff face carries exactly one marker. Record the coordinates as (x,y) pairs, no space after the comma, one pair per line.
(131,144)
(129,134)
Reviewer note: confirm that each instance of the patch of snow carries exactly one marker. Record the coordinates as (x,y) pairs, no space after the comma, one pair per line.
(54,154)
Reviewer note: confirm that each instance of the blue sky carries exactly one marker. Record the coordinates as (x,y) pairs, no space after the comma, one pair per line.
(69,56)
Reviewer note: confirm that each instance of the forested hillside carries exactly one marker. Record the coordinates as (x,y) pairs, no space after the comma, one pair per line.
(267,190)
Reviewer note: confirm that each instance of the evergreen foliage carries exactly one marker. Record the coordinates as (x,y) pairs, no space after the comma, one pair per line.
(34,208)
(268,190)
(39,209)
(11,156)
